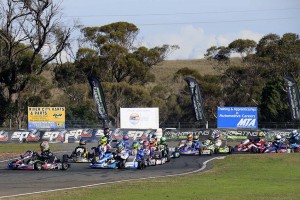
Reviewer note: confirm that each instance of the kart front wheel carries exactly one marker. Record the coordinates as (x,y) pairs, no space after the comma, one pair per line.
(38,166)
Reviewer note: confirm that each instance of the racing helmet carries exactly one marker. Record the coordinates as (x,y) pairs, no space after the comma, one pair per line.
(106,131)
(44,146)
(135,145)
(154,138)
(206,142)
(278,137)
(216,135)
(120,146)
(125,137)
(163,140)
(195,138)
(189,137)
(151,144)
(260,134)
(103,141)
(146,144)
(82,142)
(294,134)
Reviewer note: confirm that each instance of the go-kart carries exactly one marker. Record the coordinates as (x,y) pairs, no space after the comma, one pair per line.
(79,156)
(105,161)
(210,148)
(30,161)
(186,149)
(269,148)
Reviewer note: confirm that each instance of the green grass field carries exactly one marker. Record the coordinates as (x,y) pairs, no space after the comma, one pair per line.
(252,176)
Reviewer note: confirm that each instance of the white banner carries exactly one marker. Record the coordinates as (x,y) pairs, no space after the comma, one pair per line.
(139,118)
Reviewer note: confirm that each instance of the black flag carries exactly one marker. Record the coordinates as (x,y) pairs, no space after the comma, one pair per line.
(196,98)
(293,94)
(99,98)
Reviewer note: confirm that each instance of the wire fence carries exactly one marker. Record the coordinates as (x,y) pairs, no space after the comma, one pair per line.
(178,125)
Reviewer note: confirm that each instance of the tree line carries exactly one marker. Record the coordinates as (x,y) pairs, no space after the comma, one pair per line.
(32,38)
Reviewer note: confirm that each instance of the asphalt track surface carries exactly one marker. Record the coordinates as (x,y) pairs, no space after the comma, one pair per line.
(16,182)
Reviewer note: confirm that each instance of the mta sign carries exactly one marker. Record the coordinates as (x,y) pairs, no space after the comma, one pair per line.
(237,117)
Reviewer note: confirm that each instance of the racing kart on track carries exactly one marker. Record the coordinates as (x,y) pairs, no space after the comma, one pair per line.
(121,160)
(30,161)
(210,148)
(185,149)
(79,156)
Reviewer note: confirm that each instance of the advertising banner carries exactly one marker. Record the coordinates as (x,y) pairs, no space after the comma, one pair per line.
(46,117)
(139,118)
(237,117)
(294,98)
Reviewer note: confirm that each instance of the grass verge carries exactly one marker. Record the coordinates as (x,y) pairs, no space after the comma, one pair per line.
(260,176)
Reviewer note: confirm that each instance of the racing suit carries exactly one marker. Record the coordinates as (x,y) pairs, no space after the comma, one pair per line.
(164,149)
(276,145)
(81,150)
(294,142)
(46,156)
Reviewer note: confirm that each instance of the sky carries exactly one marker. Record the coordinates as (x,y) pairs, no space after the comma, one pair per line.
(194,25)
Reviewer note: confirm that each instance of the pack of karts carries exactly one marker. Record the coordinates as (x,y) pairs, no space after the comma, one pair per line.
(30,161)
(207,147)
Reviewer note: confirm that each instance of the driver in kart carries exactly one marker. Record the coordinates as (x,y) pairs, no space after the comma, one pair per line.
(294,139)
(163,146)
(196,143)
(107,134)
(126,141)
(46,155)
(217,140)
(103,146)
(276,144)
(81,148)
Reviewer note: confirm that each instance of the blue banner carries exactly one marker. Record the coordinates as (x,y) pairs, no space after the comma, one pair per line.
(237,117)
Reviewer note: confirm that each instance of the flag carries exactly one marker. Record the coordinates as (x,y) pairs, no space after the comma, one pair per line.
(293,94)
(99,98)
(196,99)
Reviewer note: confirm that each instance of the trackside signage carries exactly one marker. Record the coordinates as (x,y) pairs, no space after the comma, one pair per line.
(46,117)
(237,117)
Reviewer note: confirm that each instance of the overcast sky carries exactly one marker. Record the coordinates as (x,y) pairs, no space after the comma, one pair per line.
(194,25)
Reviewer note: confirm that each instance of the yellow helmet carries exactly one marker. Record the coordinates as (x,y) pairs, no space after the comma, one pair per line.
(260,134)
(103,140)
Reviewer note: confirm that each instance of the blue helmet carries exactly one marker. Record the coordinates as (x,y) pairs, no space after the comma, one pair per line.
(82,141)
(294,134)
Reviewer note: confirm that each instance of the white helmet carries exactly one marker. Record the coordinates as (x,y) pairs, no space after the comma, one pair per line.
(245,141)
(278,137)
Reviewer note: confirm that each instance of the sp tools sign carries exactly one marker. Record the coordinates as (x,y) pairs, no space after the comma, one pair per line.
(237,117)
(46,117)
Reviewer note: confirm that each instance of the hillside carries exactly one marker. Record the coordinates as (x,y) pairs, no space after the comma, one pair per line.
(168,68)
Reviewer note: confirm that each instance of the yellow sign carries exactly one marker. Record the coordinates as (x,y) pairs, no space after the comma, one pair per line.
(46,114)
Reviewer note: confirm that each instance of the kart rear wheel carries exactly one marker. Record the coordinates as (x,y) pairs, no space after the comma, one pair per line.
(230,150)
(38,166)
(65,166)
(121,165)
(141,165)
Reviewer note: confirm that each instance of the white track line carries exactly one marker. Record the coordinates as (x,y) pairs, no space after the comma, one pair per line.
(121,181)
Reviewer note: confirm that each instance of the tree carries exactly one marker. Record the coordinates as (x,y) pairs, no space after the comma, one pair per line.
(243,47)
(108,52)
(31,36)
